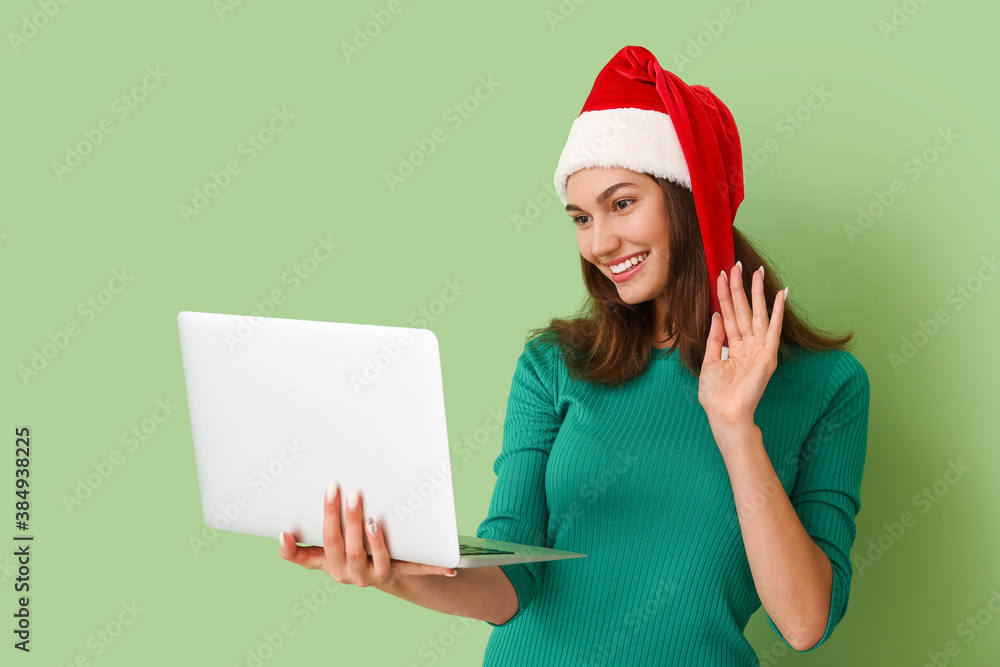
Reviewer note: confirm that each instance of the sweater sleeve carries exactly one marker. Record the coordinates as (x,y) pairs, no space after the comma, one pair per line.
(827,490)
(518,509)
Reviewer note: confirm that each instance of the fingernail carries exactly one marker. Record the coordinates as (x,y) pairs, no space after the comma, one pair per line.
(352,500)
(722,275)
(761,269)
(281,539)
(371,526)
(786,294)
(331,492)
(740,264)
(451,574)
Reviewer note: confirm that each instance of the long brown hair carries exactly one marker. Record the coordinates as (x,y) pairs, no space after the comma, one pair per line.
(609,341)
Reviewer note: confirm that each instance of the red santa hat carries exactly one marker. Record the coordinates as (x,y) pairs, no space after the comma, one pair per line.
(641,117)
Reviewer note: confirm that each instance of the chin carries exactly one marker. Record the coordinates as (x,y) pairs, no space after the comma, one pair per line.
(634,296)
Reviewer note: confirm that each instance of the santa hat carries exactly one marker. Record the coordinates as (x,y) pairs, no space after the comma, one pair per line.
(641,117)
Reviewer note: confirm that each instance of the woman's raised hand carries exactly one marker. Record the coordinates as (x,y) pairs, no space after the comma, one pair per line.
(343,554)
(729,389)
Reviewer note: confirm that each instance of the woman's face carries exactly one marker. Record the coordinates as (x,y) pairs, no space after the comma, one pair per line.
(621,215)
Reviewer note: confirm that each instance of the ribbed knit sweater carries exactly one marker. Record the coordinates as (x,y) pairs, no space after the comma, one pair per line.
(632,476)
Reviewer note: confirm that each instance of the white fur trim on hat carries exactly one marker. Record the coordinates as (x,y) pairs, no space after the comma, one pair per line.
(636,139)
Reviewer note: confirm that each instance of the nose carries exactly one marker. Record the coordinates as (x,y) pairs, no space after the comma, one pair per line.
(604,240)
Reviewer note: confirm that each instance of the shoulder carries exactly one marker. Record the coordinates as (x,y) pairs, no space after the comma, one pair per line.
(837,372)
(848,370)
(816,363)
(542,349)
(541,361)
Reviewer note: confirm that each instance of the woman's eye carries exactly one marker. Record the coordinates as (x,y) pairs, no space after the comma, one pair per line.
(578,220)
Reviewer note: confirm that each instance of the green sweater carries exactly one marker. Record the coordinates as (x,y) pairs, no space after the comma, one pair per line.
(632,477)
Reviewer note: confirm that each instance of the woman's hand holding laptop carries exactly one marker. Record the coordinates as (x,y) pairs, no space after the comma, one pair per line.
(343,554)
(483,593)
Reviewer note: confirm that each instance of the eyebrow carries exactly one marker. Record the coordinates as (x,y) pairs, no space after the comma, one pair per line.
(601,197)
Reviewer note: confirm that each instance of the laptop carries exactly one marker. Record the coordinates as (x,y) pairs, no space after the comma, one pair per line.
(282,407)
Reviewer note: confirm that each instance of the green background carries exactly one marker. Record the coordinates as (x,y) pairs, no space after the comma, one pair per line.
(454,219)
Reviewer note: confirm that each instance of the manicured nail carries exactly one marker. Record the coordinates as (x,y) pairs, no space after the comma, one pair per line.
(352,500)
(281,539)
(371,526)
(761,269)
(786,294)
(739,263)
(722,275)
(451,574)
(331,492)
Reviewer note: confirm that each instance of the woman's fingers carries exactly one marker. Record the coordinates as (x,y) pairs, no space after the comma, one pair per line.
(739,318)
(333,541)
(312,558)
(380,554)
(401,567)
(383,564)
(744,318)
(759,303)
(713,346)
(343,553)
(726,306)
(777,316)
(354,545)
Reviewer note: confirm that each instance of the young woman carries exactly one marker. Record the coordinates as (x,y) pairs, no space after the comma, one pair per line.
(702,479)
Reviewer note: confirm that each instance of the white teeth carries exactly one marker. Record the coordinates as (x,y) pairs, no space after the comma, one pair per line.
(628,263)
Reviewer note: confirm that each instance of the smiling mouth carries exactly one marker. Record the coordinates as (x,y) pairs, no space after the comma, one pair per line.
(629,264)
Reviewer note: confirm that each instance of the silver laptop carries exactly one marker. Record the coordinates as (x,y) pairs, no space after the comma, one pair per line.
(280,408)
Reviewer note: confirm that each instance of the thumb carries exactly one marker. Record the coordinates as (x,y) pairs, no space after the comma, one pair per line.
(411,568)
